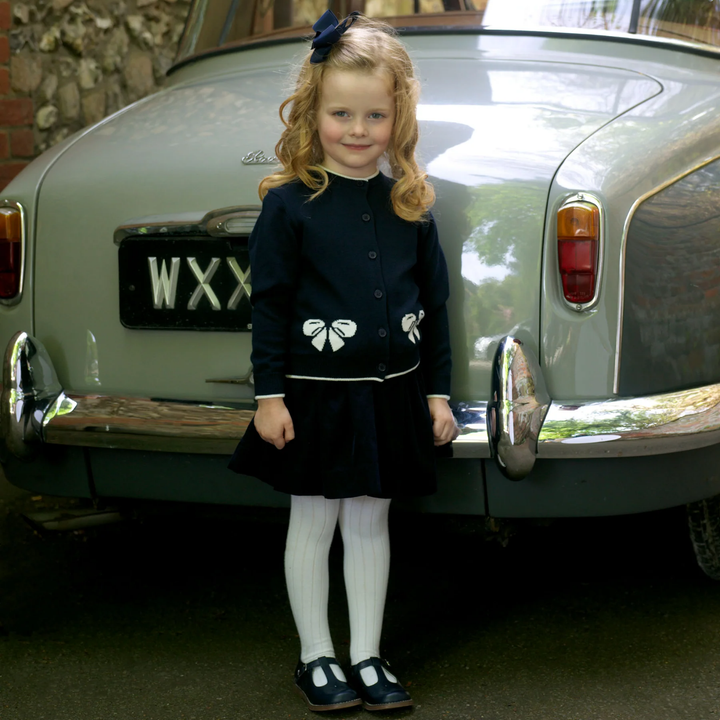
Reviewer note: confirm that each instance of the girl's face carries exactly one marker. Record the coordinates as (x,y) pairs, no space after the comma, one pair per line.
(355,120)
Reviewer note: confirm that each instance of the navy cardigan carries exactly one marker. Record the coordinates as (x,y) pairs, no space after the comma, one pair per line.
(344,289)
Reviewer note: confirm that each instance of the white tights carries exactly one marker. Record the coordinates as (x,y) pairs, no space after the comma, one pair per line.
(364,528)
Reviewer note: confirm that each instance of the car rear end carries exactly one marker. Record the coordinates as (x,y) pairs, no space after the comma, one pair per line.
(576,174)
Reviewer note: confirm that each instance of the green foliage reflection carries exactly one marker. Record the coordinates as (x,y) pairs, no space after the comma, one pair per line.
(507,221)
(687,412)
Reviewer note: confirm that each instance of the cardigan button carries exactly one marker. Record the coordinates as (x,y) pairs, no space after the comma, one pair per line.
(372,254)
(366,217)
(382,332)
(378,294)
(382,368)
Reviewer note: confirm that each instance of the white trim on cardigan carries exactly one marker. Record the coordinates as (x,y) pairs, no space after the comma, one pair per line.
(387,377)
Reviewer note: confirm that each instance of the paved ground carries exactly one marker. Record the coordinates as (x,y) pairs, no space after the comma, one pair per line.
(185,616)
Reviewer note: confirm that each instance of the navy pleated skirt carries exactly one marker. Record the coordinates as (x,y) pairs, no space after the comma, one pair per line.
(351,439)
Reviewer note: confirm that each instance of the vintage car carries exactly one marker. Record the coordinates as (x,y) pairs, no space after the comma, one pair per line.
(574,146)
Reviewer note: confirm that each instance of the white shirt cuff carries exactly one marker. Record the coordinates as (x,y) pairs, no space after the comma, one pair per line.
(263,397)
(444,397)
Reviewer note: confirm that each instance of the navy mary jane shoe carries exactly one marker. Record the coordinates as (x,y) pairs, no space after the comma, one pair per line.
(384,694)
(334,694)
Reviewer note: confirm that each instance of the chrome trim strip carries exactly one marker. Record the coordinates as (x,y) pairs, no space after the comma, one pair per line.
(473,441)
(236,221)
(35,409)
(627,427)
(232,222)
(584,197)
(5,202)
(247,379)
(519,424)
(631,427)
(623,253)
(146,424)
(518,405)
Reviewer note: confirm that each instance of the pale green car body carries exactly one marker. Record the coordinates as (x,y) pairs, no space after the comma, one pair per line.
(512,125)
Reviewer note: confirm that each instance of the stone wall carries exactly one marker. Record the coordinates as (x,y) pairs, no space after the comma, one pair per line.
(65,64)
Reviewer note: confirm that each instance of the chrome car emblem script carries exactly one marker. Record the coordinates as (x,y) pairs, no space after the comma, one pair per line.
(257,157)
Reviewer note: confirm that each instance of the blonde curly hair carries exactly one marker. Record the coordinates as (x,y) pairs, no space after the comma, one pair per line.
(368,46)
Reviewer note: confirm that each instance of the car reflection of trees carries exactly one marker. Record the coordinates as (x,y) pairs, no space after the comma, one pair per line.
(641,417)
(700,13)
(648,17)
(490,305)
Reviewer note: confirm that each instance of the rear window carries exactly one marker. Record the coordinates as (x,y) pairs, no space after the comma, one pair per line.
(214,24)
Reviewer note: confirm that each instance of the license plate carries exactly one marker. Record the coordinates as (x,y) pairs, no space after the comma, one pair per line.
(184,284)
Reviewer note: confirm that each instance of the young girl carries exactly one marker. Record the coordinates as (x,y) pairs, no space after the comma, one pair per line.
(350,342)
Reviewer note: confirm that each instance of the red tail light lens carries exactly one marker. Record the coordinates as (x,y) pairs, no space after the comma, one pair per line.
(578,227)
(10,251)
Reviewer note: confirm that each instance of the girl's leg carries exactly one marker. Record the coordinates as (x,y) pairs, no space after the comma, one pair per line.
(312,525)
(318,677)
(364,527)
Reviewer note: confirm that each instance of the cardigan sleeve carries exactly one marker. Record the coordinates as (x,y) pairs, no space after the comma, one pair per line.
(274,257)
(432,278)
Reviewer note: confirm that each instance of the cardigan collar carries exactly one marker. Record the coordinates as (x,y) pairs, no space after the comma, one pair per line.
(347,181)
(349,177)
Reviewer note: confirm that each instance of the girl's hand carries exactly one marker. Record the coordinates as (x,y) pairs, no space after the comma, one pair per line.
(444,428)
(273,422)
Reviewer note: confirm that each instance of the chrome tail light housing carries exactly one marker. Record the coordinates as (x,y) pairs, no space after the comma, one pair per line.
(12,251)
(579,230)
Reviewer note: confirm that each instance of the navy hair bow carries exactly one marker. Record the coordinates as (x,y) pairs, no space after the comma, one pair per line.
(327,32)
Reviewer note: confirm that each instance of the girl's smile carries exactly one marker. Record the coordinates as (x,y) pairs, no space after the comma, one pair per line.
(355,120)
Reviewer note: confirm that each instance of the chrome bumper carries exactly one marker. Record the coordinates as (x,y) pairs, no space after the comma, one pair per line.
(36,410)
(518,425)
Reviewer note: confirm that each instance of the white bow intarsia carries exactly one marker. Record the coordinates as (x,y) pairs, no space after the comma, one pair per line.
(334,333)
(410,325)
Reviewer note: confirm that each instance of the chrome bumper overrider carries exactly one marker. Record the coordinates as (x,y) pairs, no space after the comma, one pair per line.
(518,425)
